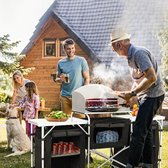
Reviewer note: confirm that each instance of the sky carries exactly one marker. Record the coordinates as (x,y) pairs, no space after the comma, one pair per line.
(18,18)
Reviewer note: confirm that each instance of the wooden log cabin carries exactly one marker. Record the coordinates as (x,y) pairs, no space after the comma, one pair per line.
(89,24)
(44,56)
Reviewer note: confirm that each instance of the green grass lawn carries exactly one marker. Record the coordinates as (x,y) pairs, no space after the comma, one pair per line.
(165,148)
(23,161)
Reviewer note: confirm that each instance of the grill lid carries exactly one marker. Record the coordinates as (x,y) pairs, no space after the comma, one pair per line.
(95,97)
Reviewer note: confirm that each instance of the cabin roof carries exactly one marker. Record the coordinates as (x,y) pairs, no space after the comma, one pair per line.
(90,23)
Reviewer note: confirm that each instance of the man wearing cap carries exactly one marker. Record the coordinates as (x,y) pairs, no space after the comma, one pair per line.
(149,89)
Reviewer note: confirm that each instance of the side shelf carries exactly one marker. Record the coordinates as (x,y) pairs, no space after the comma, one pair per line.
(65,155)
(118,125)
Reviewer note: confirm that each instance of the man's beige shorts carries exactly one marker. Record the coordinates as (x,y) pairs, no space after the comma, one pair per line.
(66,106)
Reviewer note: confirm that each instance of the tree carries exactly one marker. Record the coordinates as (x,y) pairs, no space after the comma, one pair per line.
(9,62)
(5,88)
(163,37)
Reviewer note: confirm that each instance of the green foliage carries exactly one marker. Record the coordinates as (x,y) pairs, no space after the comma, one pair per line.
(5,88)
(42,98)
(163,38)
(10,61)
(6,46)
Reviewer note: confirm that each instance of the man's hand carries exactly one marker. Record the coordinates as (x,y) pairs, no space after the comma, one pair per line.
(62,77)
(125,95)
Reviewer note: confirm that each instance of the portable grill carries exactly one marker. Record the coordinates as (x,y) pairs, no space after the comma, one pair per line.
(95,98)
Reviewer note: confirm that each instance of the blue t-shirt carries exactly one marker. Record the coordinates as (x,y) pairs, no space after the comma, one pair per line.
(139,60)
(75,69)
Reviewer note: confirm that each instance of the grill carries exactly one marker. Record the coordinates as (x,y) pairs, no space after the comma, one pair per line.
(95,98)
(102,104)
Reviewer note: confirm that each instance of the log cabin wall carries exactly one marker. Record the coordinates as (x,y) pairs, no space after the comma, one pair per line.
(45,66)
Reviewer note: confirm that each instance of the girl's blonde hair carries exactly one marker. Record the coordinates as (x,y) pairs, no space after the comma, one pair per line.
(31,89)
(16,85)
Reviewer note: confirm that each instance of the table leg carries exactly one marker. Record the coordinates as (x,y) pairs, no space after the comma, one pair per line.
(42,147)
(31,138)
(88,149)
(160,123)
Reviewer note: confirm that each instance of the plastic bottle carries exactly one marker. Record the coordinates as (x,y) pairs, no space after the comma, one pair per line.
(135,110)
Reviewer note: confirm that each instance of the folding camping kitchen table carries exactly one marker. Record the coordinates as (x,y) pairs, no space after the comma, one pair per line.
(72,121)
(79,122)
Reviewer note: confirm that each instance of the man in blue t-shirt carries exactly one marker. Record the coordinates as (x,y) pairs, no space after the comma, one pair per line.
(73,72)
(149,89)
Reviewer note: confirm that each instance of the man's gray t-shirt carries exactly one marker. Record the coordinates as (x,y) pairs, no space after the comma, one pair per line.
(139,60)
(75,69)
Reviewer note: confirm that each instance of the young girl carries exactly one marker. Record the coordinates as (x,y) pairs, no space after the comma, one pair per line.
(30,103)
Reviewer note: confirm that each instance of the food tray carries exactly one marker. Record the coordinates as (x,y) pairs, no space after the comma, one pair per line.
(56,119)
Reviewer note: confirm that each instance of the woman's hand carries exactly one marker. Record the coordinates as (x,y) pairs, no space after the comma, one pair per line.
(14,105)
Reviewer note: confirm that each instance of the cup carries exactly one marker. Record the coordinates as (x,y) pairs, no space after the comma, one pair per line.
(67,78)
(53,76)
(55,79)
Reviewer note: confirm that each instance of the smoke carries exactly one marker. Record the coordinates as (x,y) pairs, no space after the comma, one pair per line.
(143,20)
(117,76)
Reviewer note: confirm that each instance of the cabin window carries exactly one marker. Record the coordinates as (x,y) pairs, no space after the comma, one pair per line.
(53,47)
(62,52)
(50,48)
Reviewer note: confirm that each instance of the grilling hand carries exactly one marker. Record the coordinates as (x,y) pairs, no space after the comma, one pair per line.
(125,95)
(131,102)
